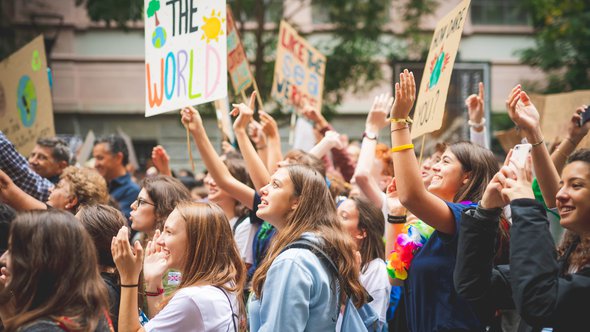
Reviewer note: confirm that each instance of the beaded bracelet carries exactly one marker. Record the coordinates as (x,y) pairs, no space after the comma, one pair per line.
(158,292)
(396,219)
(398,120)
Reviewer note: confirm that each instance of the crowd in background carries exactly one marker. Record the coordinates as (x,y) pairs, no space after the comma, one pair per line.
(267,240)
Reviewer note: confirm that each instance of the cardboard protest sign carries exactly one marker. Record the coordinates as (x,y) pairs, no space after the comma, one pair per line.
(237,62)
(432,96)
(299,71)
(556,112)
(26,111)
(86,148)
(185,53)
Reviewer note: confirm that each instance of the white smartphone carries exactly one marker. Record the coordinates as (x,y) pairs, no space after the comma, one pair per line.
(519,154)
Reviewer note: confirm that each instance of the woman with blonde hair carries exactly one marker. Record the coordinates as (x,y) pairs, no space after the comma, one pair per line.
(76,187)
(196,240)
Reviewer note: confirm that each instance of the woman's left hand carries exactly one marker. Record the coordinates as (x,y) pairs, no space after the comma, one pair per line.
(128,263)
(521,187)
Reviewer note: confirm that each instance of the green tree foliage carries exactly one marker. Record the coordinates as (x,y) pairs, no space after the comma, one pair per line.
(113,11)
(562,43)
(153,8)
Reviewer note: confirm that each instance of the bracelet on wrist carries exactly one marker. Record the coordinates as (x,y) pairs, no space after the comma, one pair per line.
(571,141)
(129,286)
(400,128)
(402,147)
(538,143)
(159,291)
(476,125)
(396,219)
(406,120)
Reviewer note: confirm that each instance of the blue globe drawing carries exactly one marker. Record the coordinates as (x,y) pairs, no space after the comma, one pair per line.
(159,37)
(26,101)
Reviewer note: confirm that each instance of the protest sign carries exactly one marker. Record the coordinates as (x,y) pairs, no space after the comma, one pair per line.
(556,113)
(299,71)
(185,53)
(237,63)
(26,111)
(86,148)
(432,95)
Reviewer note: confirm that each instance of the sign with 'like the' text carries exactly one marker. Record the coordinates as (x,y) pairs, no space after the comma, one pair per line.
(185,53)
(432,96)
(299,71)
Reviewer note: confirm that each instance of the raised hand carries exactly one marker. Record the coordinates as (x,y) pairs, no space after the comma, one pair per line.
(269,125)
(522,111)
(314,116)
(161,160)
(128,262)
(574,132)
(377,117)
(405,95)
(154,263)
(474,105)
(244,113)
(394,205)
(333,139)
(191,118)
(492,197)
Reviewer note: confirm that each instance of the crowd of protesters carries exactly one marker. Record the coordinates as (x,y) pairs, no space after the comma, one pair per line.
(456,241)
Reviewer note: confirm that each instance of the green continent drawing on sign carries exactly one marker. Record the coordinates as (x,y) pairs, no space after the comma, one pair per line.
(437,70)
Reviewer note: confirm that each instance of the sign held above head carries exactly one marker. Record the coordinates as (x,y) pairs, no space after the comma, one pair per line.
(432,95)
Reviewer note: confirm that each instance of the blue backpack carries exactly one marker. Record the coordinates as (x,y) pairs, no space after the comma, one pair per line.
(353,319)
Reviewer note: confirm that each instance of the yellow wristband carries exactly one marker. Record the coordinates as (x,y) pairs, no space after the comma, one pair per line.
(402,147)
(398,120)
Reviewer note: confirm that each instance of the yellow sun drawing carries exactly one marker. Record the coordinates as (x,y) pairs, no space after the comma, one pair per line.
(212,26)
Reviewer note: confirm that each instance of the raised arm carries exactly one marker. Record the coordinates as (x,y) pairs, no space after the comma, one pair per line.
(161,160)
(273,141)
(256,168)
(475,109)
(575,133)
(17,168)
(259,139)
(525,115)
(412,193)
(14,196)
(241,192)
(330,140)
(376,120)
(128,262)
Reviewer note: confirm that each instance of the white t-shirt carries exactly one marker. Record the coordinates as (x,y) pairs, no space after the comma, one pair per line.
(376,282)
(244,236)
(197,308)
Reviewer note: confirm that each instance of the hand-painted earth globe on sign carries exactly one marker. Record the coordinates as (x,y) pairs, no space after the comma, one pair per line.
(159,37)
(26,101)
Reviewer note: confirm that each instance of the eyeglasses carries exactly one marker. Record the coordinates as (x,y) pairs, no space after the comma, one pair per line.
(141,201)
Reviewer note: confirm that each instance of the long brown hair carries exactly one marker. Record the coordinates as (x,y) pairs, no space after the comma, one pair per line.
(166,192)
(212,256)
(315,212)
(481,166)
(54,272)
(102,222)
(372,223)
(580,256)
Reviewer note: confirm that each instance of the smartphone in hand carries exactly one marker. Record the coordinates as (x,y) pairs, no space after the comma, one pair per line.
(519,154)
(585,116)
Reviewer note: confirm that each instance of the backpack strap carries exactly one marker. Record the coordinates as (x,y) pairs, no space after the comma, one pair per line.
(238,222)
(234,316)
(323,257)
